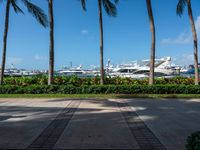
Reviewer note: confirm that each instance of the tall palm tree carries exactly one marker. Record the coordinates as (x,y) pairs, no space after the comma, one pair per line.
(153,42)
(179,10)
(111,10)
(51,46)
(36,11)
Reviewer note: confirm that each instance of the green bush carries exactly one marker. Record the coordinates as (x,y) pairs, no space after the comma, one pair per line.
(100,89)
(193,141)
(75,81)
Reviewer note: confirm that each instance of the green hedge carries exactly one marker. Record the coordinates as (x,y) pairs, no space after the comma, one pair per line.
(75,81)
(97,89)
(193,141)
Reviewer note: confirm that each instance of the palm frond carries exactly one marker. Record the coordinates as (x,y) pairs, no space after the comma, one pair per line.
(83,4)
(110,8)
(116,1)
(180,7)
(37,12)
(16,8)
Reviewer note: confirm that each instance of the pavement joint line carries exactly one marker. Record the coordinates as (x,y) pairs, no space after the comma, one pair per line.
(50,135)
(143,135)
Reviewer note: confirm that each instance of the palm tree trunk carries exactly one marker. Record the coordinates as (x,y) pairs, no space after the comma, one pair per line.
(51,47)
(101,42)
(195,43)
(5,41)
(153,42)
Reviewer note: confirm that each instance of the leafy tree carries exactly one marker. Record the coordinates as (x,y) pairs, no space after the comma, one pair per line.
(33,9)
(51,46)
(179,10)
(153,42)
(111,10)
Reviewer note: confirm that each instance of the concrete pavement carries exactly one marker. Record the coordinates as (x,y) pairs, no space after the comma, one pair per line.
(97,124)
(171,120)
(22,120)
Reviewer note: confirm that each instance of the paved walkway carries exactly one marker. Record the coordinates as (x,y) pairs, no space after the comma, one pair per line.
(138,124)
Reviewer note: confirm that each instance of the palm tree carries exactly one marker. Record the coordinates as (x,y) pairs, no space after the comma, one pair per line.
(36,11)
(111,10)
(153,42)
(51,46)
(179,10)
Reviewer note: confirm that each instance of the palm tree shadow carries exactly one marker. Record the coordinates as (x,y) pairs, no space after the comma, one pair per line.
(6,117)
(171,119)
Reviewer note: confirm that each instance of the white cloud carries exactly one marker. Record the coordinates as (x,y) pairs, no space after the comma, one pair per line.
(38,57)
(197,24)
(84,32)
(14,61)
(86,35)
(184,37)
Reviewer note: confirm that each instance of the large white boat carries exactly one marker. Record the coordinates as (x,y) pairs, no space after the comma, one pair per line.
(76,71)
(140,69)
(14,72)
(135,69)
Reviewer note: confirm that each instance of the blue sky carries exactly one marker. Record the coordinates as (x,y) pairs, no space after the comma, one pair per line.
(127,37)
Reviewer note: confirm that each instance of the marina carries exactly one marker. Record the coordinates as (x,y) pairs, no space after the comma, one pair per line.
(164,67)
(100,74)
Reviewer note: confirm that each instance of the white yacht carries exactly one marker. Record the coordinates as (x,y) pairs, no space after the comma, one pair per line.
(77,71)
(13,71)
(140,69)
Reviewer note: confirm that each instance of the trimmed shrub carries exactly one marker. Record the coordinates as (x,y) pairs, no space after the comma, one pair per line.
(75,81)
(100,89)
(193,141)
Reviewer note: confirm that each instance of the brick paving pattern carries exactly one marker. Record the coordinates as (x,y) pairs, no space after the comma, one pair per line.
(51,134)
(143,135)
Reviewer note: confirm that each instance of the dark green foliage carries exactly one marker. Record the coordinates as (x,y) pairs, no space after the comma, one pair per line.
(180,7)
(100,89)
(37,12)
(109,6)
(33,9)
(193,141)
(75,81)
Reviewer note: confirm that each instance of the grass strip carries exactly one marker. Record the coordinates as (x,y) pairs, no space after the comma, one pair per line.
(99,96)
